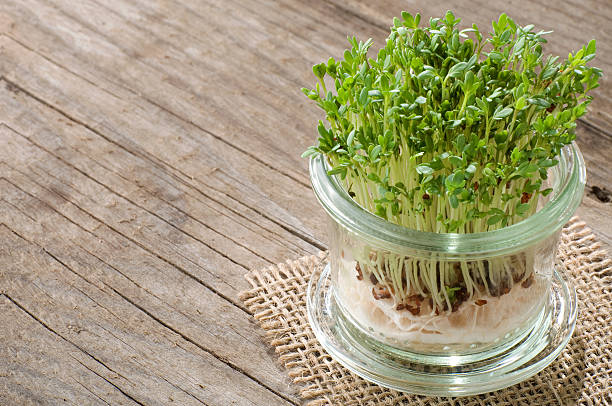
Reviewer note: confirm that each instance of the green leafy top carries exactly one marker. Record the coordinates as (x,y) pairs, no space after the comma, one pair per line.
(445,131)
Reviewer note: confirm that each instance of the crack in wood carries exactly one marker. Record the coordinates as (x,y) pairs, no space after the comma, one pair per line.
(87,389)
(190,340)
(113,192)
(239,305)
(595,128)
(73,344)
(150,316)
(161,107)
(144,289)
(184,391)
(144,155)
(181,211)
(15,207)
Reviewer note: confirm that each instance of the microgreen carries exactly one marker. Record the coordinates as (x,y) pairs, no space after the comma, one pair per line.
(445,130)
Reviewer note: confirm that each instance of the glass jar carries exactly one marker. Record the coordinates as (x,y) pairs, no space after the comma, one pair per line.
(443,298)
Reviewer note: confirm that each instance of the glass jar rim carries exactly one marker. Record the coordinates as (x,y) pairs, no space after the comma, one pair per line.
(545,222)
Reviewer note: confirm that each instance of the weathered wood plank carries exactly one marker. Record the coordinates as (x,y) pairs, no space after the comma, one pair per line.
(116,59)
(235,99)
(597,215)
(142,358)
(39,367)
(223,247)
(113,257)
(201,162)
(173,47)
(204,162)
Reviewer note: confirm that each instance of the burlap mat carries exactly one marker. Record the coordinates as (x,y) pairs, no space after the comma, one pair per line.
(580,375)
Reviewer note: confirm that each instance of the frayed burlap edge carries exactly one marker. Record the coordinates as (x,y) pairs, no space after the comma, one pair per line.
(580,375)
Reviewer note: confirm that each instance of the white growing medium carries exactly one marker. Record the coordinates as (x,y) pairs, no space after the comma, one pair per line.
(471,323)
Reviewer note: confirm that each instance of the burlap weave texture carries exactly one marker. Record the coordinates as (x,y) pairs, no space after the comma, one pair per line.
(580,375)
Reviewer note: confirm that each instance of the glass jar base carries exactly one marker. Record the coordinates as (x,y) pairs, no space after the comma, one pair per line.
(442,375)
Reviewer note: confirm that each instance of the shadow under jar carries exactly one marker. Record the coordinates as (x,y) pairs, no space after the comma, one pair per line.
(444,298)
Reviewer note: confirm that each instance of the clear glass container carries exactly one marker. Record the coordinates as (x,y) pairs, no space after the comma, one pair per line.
(440,298)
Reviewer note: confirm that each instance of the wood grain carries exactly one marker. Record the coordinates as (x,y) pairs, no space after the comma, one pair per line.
(180,301)
(37,365)
(150,156)
(131,350)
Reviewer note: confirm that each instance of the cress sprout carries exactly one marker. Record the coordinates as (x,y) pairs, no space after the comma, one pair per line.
(437,134)
(448,131)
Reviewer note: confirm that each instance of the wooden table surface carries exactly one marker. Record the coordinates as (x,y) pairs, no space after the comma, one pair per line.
(150,156)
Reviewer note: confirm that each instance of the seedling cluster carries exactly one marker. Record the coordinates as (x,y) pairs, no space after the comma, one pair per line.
(443,132)
(446,131)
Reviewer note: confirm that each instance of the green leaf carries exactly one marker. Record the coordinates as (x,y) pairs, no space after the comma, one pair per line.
(456,70)
(373,177)
(539,101)
(454,181)
(590,49)
(425,75)
(518,46)
(516,155)
(456,161)
(319,70)
(375,152)
(546,192)
(363,97)
(494,219)
(424,169)
(350,138)
(450,292)
(322,130)
(496,57)
(337,170)
(501,137)
(408,18)
(469,81)
(360,159)
(310,152)
(436,164)
(547,163)
(522,208)
(460,142)
(505,112)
